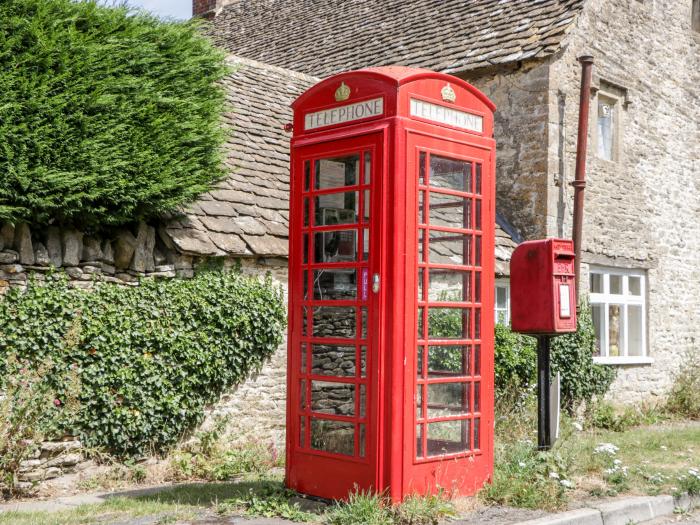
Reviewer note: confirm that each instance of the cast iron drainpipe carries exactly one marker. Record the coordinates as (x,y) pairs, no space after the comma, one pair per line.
(579,182)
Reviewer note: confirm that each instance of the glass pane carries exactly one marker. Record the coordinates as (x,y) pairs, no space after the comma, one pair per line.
(335,284)
(477,360)
(420,296)
(421,241)
(449,285)
(450,211)
(448,360)
(450,174)
(368,167)
(477,216)
(419,401)
(634,330)
(363,400)
(307,175)
(337,437)
(477,440)
(365,244)
(477,323)
(616,284)
(419,441)
(477,250)
(421,332)
(477,396)
(449,248)
(477,183)
(302,431)
(364,322)
(477,286)
(333,360)
(448,399)
(501,297)
(305,279)
(367,206)
(419,362)
(334,321)
(302,395)
(303,358)
(448,437)
(306,212)
(336,208)
(363,361)
(362,439)
(596,280)
(615,344)
(333,398)
(597,312)
(305,248)
(335,246)
(605,130)
(304,321)
(449,323)
(337,172)
(635,285)
(421,207)
(421,168)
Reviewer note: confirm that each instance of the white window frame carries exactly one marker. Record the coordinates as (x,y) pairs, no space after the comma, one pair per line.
(501,283)
(624,300)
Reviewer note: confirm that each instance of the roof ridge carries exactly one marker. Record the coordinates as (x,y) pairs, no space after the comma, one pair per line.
(237,59)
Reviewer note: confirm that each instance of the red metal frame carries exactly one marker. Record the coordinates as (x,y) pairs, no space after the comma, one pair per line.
(396,141)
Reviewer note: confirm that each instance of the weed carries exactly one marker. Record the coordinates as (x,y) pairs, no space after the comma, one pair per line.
(362,507)
(604,416)
(423,510)
(684,398)
(271,500)
(689,482)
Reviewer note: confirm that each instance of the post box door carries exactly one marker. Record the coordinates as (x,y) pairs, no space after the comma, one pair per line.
(449,379)
(333,353)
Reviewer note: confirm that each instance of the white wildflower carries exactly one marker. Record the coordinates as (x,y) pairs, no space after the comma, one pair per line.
(522,464)
(566,484)
(578,426)
(554,475)
(606,448)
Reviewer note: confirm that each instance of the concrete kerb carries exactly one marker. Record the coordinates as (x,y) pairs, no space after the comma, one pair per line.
(620,512)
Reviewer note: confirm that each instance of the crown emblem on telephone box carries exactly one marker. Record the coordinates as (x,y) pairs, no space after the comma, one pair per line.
(448,94)
(342,93)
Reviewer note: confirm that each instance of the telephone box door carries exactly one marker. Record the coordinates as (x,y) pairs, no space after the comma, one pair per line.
(450,381)
(333,333)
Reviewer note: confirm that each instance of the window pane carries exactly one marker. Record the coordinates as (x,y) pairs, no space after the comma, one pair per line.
(332,360)
(616,284)
(597,312)
(365,244)
(449,248)
(306,212)
(450,211)
(367,206)
(303,358)
(307,175)
(635,285)
(596,280)
(302,431)
(368,167)
(449,285)
(336,208)
(334,284)
(362,439)
(448,437)
(450,174)
(419,441)
(448,360)
(615,344)
(335,246)
(333,398)
(333,436)
(419,401)
(421,168)
(337,172)
(419,362)
(449,323)
(634,330)
(501,297)
(334,321)
(605,129)
(448,399)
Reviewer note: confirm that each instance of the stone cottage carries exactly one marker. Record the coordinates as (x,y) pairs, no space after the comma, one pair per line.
(642,216)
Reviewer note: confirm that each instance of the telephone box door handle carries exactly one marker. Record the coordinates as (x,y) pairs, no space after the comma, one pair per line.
(375,282)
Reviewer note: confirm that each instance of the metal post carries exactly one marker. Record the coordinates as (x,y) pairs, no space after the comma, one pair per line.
(544,430)
(579,182)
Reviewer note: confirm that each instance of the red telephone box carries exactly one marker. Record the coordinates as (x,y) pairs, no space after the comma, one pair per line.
(391,267)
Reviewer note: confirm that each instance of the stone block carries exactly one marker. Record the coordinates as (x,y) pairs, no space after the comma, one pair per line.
(23,244)
(74,272)
(72,247)
(7,232)
(53,246)
(41,255)
(92,249)
(124,247)
(11,269)
(143,253)
(107,252)
(9,257)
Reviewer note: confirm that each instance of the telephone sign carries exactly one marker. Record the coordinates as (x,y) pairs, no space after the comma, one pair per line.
(391,267)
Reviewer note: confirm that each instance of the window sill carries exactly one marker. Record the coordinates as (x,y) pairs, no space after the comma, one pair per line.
(631,360)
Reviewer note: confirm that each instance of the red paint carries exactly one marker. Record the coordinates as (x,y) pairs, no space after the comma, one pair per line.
(543,287)
(388,459)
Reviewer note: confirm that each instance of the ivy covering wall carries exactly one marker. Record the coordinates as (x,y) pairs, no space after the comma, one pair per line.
(149,359)
(107,116)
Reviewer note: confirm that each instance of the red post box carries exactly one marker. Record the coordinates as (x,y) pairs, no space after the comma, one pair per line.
(542,287)
(391,268)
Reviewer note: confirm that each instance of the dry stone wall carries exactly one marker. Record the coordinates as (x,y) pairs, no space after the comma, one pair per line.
(642,209)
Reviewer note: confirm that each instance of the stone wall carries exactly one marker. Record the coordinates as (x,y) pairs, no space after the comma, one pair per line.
(643,209)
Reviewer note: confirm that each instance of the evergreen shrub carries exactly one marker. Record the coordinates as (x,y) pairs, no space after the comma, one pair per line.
(149,358)
(107,116)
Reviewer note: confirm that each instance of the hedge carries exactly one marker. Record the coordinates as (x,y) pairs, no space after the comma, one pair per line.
(107,116)
(149,358)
